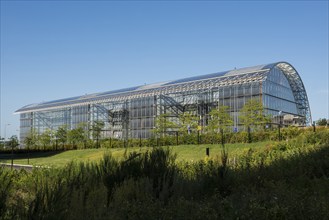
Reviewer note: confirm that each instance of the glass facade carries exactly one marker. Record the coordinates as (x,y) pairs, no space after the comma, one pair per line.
(133,114)
(278,95)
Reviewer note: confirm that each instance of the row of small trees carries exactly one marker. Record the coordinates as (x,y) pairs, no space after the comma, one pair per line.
(251,115)
(63,135)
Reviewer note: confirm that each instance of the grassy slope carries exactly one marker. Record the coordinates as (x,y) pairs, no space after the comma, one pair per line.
(184,152)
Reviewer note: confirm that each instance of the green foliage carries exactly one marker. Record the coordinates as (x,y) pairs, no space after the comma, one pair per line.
(6,179)
(31,139)
(322,122)
(285,180)
(188,123)
(45,138)
(13,141)
(97,128)
(219,119)
(61,135)
(252,114)
(171,139)
(2,142)
(112,143)
(163,124)
(77,136)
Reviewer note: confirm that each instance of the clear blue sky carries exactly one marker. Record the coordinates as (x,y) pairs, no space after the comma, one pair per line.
(58,49)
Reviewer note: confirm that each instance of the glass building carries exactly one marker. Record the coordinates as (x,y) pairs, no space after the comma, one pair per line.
(131,112)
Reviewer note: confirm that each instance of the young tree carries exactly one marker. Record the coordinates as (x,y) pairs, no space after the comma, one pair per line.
(252,115)
(31,139)
(71,137)
(163,124)
(2,141)
(13,142)
(77,135)
(220,120)
(61,135)
(45,138)
(187,122)
(97,128)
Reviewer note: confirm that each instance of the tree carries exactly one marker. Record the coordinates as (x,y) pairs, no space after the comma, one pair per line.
(163,124)
(45,138)
(77,135)
(31,139)
(13,142)
(61,135)
(97,128)
(2,142)
(322,122)
(252,115)
(187,122)
(220,120)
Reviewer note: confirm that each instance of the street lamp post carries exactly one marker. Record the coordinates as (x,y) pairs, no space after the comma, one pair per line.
(6,134)
(12,154)
(313,126)
(12,143)
(140,130)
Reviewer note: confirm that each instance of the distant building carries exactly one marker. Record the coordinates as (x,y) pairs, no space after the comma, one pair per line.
(131,112)
(293,120)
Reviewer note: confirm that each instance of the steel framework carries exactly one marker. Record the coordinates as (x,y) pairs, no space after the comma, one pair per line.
(131,112)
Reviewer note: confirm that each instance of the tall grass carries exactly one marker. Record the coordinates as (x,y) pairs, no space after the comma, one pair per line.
(287,180)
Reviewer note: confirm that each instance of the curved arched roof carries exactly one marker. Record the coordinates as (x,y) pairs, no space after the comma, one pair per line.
(297,86)
(232,77)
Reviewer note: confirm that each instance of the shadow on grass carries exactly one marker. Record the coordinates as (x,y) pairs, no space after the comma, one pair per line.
(30,155)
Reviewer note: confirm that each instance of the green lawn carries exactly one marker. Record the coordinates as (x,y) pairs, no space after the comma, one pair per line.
(184,152)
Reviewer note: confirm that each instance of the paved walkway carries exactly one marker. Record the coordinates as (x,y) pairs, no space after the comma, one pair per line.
(18,166)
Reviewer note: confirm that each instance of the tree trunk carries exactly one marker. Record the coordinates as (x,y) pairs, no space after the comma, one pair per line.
(223,141)
(249,135)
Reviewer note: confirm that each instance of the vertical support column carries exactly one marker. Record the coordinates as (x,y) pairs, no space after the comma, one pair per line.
(261,92)
(218,99)
(234,105)
(126,119)
(89,121)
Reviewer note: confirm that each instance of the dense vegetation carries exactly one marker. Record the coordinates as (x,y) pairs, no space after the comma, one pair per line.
(184,153)
(286,180)
(169,140)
